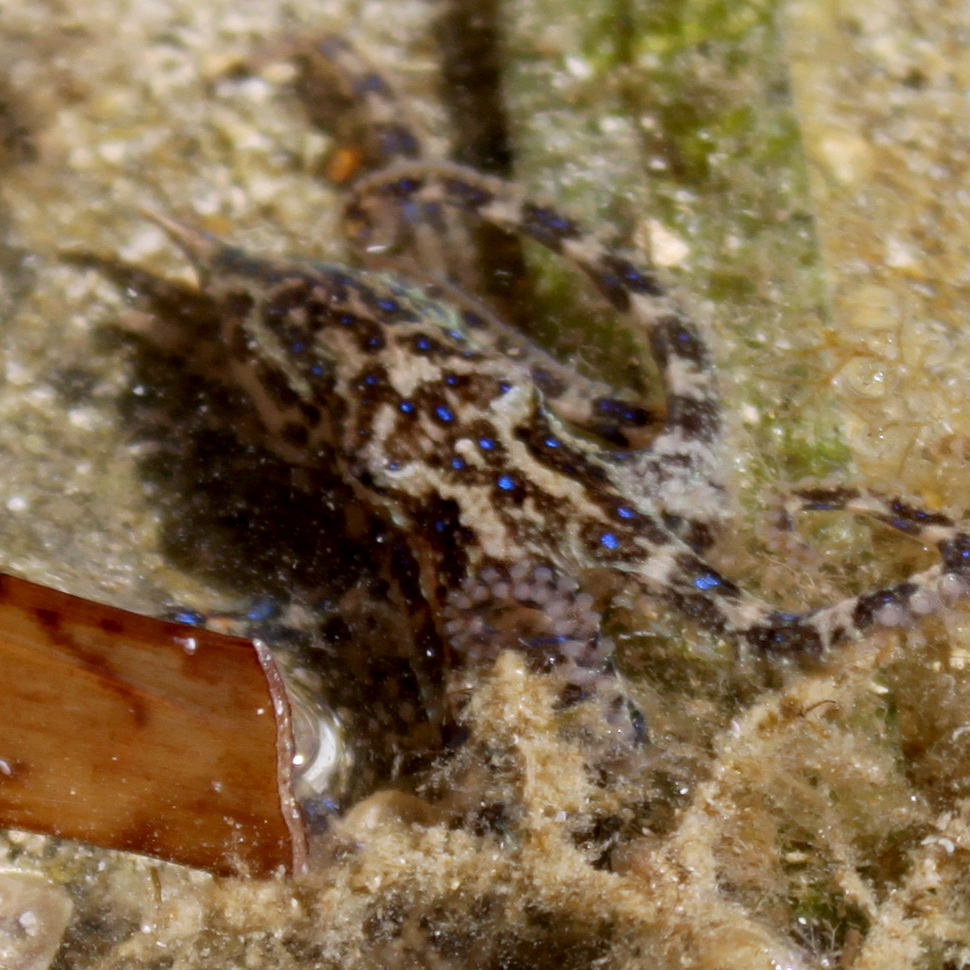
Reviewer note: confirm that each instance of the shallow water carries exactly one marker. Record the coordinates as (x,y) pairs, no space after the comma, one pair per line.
(805,830)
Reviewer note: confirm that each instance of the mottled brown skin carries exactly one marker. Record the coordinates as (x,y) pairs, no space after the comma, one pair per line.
(488,456)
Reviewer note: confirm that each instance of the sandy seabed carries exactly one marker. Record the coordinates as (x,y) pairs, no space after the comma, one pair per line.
(801,175)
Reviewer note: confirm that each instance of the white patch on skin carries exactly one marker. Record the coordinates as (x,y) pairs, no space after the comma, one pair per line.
(685,380)
(694,502)
(478,512)
(656,570)
(470,452)
(933,534)
(432,434)
(516,405)
(649,309)
(744,613)
(385,420)
(506,212)
(675,443)
(408,371)
(585,250)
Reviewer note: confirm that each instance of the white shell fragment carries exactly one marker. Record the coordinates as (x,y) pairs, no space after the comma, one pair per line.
(33,916)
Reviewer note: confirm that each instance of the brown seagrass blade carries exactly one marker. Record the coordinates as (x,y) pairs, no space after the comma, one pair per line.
(139,734)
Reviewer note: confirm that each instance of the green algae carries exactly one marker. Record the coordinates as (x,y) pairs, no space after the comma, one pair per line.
(675,120)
